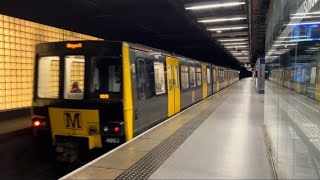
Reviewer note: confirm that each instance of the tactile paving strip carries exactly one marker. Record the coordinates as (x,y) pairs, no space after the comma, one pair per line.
(147,165)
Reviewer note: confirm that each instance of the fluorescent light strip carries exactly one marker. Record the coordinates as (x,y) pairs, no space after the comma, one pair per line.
(221,20)
(307,23)
(301,14)
(304,17)
(227,28)
(231,47)
(240,43)
(293,37)
(212,6)
(277,45)
(230,40)
(243,51)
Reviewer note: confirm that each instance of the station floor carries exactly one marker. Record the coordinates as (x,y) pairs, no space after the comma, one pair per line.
(220,138)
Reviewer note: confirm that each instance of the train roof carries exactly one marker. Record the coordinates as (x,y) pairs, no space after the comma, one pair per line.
(139,47)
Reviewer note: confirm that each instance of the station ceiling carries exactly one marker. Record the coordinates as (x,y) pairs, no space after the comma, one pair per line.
(163,24)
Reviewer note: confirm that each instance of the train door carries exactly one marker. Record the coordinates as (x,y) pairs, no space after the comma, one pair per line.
(173,81)
(204,81)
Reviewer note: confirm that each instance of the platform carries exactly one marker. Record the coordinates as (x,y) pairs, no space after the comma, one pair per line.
(15,122)
(220,138)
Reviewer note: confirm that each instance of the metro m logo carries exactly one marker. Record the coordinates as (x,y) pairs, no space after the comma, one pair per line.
(72,120)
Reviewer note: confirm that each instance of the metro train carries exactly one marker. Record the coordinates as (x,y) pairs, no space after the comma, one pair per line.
(303,79)
(98,94)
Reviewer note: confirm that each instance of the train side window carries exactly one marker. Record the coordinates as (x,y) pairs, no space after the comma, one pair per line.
(192,77)
(160,87)
(313,75)
(141,78)
(208,76)
(48,77)
(318,76)
(199,78)
(214,75)
(74,77)
(184,77)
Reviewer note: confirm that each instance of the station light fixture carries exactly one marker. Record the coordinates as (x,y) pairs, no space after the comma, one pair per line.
(233,39)
(243,51)
(235,47)
(302,14)
(226,28)
(213,20)
(239,43)
(239,54)
(305,23)
(278,45)
(293,37)
(201,6)
(304,17)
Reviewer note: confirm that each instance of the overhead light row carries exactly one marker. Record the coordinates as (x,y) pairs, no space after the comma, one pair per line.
(232,39)
(201,6)
(227,28)
(222,19)
(238,43)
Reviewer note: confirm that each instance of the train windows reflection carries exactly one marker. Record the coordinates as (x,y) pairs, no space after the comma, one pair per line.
(184,77)
(199,80)
(159,78)
(48,77)
(192,77)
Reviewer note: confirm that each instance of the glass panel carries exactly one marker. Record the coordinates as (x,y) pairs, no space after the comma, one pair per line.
(208,76)
(170,77)
(184,77)
(106,76)
(159,78)
(192,77)
(48,77)
(176,76)
(74,77)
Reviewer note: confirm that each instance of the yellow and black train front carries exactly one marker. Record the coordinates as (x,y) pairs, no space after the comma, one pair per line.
(80,95)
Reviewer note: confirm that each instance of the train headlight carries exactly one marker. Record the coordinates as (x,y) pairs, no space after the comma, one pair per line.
(106,129)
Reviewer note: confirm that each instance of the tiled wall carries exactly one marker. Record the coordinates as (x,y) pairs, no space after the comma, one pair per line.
(17,44)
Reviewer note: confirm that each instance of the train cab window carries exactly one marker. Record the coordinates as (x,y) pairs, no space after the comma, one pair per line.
(48,77)
(159,78)
(199,79)
(74,77)
(105,76)
(192,77)
(208,76)
(184,77)
(313,75)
